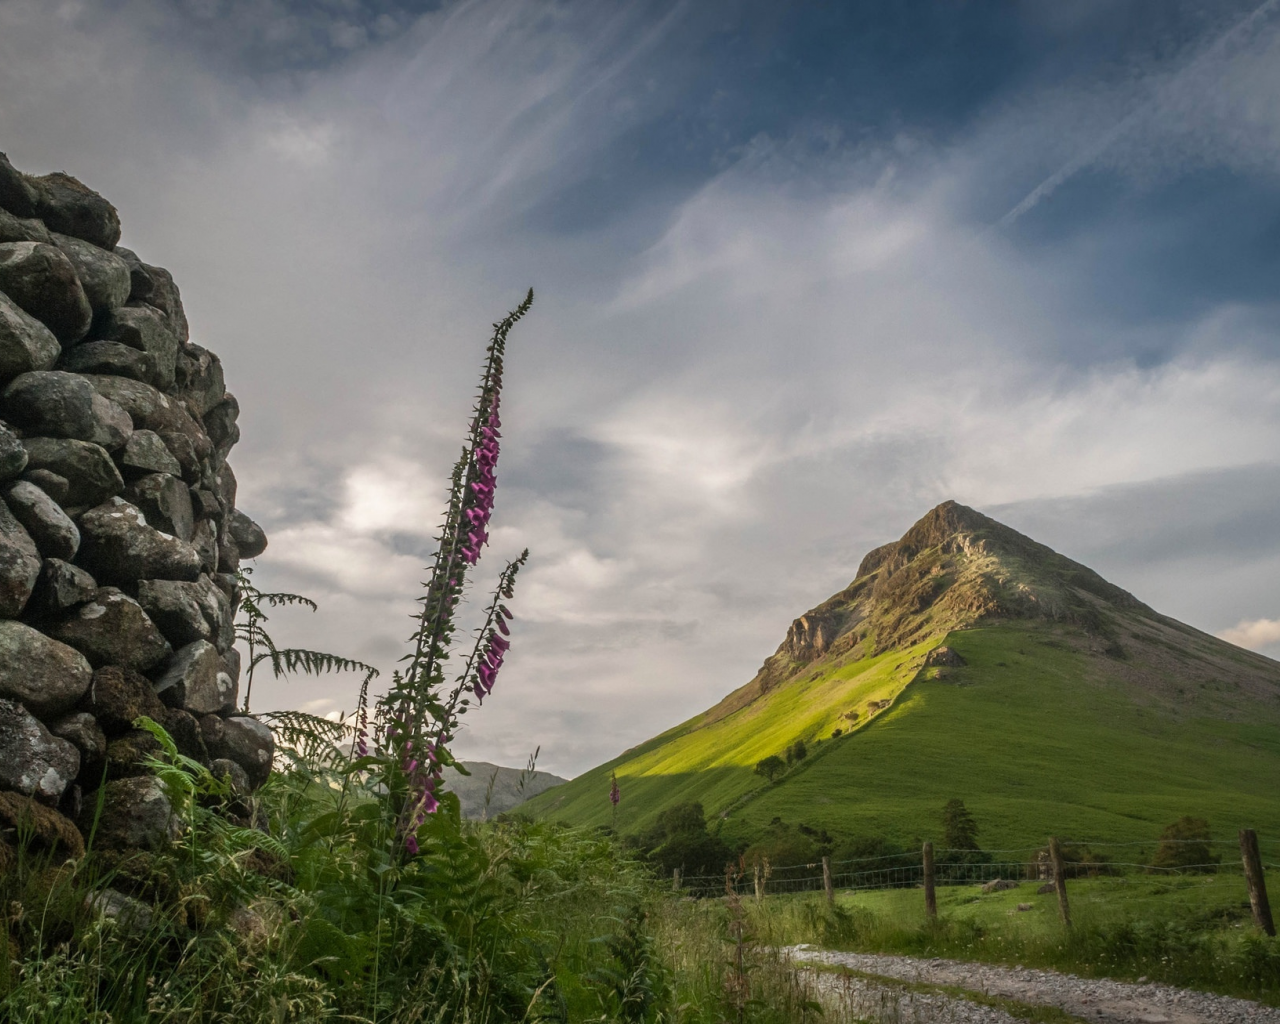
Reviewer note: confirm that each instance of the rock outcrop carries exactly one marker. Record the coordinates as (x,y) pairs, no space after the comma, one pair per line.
(119,535)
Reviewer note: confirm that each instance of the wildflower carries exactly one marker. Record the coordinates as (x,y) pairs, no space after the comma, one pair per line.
(411,844)
(615,794)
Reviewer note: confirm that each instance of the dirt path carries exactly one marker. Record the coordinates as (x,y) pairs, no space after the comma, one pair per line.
(1091,999)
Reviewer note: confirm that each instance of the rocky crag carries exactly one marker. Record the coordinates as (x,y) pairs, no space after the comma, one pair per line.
(119,533)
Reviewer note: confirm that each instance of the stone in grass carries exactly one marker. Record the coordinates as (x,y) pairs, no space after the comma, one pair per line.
(19,564)
(104,276)
(125,914)
(112,629)
(242,739)
(70,207)
(196,680)
(118,546)
(54,403)
(187,612)
(136,814)
(165,501)
(127,754)
(25,343)
(184,728)
(47,676)
(1000,885)
(144,453)
(53,531)
(43,282)
(44,829)
(118,696)
(228,771)
(60,587)
(33,761)
(82,730)
(91,476)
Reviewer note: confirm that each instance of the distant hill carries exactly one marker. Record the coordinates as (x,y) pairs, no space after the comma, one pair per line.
(1063,706)
(507,794)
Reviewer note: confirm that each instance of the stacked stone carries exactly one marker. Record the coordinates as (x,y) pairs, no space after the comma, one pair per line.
(119,535)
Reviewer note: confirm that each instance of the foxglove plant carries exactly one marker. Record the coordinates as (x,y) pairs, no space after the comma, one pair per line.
(420,712)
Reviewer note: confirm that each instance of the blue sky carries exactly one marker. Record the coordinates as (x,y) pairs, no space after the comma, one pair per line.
(803,272)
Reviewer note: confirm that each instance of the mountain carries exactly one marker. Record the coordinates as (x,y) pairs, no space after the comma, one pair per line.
(511,787)
(967,660)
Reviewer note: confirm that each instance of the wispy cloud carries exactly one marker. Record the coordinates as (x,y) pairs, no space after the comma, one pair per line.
(1257,635)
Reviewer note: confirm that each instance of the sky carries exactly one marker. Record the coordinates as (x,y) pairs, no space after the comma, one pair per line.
(803,271)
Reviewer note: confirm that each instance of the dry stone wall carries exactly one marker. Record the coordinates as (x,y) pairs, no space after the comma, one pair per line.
(119,532)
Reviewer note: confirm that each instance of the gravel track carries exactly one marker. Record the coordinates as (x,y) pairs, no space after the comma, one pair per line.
(1092,999)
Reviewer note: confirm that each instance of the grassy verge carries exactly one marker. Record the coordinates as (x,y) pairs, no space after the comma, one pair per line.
(1191,931)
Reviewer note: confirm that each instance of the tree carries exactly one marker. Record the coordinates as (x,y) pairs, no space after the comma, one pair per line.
(797,752)
(959,830)
(1185,844)
(771,767)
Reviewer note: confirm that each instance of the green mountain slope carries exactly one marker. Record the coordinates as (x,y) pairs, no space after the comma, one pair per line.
(1077,711)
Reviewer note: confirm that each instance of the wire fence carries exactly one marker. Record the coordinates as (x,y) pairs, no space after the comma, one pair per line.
(1170,859)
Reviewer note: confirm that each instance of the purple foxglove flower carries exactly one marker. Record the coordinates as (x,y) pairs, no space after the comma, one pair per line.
(411,844)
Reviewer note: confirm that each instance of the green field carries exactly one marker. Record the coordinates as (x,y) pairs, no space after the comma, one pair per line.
(1037,737)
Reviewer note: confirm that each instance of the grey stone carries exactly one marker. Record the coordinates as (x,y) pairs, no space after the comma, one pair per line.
(112,629)
(165,501)
(127,754)
(242,739)
(220,425)
(126,915)
(136,813)
(109,357)
(25,343)
(231,662)
(225,486)
(118,696)
(45,830)
(22,229)
(228,553)
(228,771)
(200,380)
(205,504)
(19,564)
(57,487)
(54,403)
(19,194)
(184,728)
(72,208)
(82,731)
(48,677)
(165,297)
(53,531)
(118,546)
(42,281)
(141,284)
(146,453)
(91,476)
(104,276)
(153,410)
(186,612)
(145,328)
(33,761)
(248,536)
(13,457)
(204,538)
(60,587)
(196,681)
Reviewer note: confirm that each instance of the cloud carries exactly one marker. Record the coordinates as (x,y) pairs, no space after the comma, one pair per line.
(737,378)
(1257,635)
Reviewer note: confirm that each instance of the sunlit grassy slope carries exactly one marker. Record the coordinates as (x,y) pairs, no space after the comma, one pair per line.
(1102,721)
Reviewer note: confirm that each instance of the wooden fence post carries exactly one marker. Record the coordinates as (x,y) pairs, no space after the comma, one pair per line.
(675,879)
(1256,881)
(759,883)
(930,896)
(1060,880)
(826,882)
